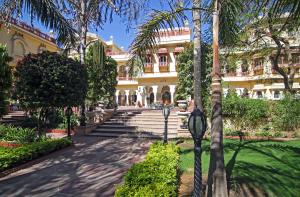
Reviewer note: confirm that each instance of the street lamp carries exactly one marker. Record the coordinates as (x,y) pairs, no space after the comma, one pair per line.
(166,113)
(68,114)
(197,127)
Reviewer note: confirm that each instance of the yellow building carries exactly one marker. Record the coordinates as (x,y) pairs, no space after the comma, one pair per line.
(158,80)
(254,75)
(21,39)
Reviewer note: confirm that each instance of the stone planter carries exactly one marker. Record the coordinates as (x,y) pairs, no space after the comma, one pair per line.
(182,104)
(9,144)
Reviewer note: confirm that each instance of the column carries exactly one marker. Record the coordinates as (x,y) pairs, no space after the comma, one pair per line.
(172,92)
(117,96)
(154,88)
(267,66)
(139,98)
(239,68)
(172,63)
(127,97)
(155,63)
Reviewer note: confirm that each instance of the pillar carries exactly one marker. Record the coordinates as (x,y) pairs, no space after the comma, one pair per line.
(139,98)
(127,97)
(156,63)
(172,63)
(154,88)
(117,96)
(172,92)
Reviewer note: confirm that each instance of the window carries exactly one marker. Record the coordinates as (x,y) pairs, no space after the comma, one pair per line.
(258,62)
(276,94)
(259,94)
(148,60)
(163,60)
(296,58)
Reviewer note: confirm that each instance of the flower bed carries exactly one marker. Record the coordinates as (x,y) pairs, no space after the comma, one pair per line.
(156,176)
(10,157)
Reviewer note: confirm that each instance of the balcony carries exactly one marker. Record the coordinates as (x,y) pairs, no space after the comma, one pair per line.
(148,68)
(230,74)
(258,70)
(163,67)
(122,78)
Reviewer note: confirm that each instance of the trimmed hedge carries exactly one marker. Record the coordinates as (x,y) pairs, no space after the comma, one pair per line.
(155,176)
(10,157)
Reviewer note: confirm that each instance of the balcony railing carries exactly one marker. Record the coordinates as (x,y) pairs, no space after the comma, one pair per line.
(124,78)
(148,68)
(163,67)
(230,74)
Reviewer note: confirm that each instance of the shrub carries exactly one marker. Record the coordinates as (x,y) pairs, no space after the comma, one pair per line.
(21,135)
(10,157)
(244,113)
(156,176)
(286,114)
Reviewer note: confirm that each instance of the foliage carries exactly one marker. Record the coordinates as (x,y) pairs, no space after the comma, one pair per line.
(156,176)
(57,119)
(184,88)
(102,75)
(50,80)
(268,166)
(286,113)
(10,157)
(244,113)
(5,79)
(17,134)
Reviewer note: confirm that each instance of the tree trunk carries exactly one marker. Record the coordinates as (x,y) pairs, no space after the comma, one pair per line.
(217,185)
(82,48)
(197,54)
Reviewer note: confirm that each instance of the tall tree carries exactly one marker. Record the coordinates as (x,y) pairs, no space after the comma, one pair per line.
(5,79)
(217,185)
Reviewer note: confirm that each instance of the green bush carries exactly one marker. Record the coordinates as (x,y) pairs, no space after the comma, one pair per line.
(286,113)
(17,134)
(10,157)
(156,176)
(244,113)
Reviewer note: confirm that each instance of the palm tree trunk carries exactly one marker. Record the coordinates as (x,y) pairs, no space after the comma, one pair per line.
(217,185)
(82,48)
(197,53)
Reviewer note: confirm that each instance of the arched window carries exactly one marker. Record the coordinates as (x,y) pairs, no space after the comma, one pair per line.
(19,49)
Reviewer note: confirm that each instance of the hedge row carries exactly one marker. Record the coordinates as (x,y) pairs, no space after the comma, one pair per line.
(10,157)
(155,176)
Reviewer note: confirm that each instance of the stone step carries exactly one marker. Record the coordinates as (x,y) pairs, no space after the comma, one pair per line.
(130,135)
(150,128)
(136,123)
(143,118)
(139,130)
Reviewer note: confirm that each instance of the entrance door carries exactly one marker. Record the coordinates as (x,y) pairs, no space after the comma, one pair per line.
(166,97)
(151,97)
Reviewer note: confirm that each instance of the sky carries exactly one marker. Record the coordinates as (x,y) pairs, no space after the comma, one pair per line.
(118,29)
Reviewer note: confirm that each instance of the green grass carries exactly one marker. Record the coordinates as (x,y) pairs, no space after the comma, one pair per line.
(274,167)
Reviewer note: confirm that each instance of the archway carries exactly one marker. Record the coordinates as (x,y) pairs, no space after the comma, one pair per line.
(166,95)
(151,98)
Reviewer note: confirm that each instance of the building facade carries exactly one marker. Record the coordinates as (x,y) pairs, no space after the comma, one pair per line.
(254,77)
(21,39)
(157,81)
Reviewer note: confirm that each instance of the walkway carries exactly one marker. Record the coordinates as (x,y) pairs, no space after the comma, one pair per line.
(92,168)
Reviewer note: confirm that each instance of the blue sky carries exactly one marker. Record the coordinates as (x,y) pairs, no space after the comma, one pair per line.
(117,29)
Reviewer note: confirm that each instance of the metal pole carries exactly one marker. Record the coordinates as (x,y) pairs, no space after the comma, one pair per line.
(197,170)
(166,132)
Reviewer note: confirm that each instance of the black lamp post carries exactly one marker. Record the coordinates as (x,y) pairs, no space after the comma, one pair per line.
(197,127)
(166,113)
(68,114)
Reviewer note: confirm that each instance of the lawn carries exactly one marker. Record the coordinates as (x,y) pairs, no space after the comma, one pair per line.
(273,167)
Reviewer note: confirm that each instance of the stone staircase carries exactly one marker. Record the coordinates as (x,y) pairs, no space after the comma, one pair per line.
(134,124)
(13,118)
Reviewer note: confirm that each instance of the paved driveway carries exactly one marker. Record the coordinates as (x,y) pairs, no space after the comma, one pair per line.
(92,167)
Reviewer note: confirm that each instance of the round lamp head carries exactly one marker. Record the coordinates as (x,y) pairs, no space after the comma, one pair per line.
(197,124)
(69,111)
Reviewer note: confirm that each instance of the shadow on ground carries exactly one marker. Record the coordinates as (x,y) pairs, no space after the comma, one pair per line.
(93,167)
(256,168)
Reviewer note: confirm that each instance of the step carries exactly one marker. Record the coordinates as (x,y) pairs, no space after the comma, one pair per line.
(143,118)
(136,123)
(130,135)
(119,130)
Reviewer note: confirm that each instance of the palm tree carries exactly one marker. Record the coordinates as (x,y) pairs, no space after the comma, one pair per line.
(146,39)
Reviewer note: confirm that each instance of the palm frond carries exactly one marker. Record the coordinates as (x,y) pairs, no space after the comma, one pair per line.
(148,33)
(44,10)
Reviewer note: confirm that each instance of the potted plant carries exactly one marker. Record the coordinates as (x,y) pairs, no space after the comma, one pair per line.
(182,104)
(184,123)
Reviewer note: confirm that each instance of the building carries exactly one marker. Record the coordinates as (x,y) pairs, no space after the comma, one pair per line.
(157,81)
(254,76)
(21,39)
